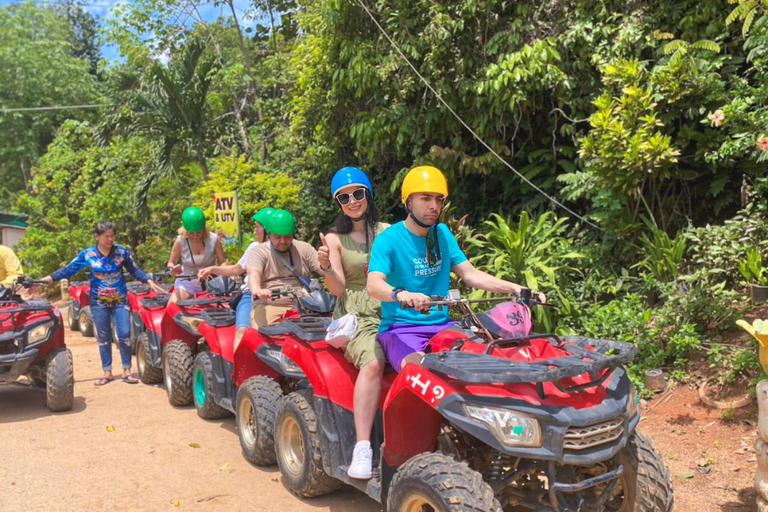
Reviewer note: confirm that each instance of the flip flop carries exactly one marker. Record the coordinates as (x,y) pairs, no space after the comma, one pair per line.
(130,379)
(102,381)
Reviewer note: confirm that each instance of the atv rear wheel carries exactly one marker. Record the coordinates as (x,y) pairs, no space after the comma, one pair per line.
(148,372)
(648,488)
(202,389)
(72,322)
(60,381)
(297,444)
(178,361)
(255,411)
(85,320)
(433,482)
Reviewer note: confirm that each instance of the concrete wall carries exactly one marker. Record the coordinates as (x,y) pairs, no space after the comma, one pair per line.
(10,236)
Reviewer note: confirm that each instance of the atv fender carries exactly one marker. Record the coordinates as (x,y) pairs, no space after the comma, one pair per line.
(246,363)
(221,340)
(321,363)
(411,420)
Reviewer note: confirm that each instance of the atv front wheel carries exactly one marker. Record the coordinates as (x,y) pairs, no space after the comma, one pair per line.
(60,381)
(255,413)
(178,360)
(646,478)
(202,389)
(297,444)
(148,372)
(435,482)
(85,320)
(72,322)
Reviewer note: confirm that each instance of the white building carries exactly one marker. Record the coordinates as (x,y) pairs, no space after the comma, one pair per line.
(12,228)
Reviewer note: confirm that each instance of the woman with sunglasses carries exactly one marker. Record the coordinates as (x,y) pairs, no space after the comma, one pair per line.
(344,259)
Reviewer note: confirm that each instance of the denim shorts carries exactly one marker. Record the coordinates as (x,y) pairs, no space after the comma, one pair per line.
(243,311)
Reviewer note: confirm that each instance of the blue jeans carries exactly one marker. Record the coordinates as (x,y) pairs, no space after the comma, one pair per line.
(102,320)
(243,311)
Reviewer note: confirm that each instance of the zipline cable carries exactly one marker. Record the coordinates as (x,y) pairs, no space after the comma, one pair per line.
(465,125)
(56,107)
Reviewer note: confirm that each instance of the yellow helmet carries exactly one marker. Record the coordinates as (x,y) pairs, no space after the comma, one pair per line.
(424,178)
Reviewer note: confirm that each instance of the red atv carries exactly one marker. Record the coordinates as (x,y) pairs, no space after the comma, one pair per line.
(32,344)
(244,381)
(168,348)
(136,292)
(79,315)
(487,422)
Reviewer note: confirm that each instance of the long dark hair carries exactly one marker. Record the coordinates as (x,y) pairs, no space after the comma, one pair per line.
(102,227)
(344,224)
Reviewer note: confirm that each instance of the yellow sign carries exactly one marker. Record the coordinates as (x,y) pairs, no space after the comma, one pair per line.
(226,216)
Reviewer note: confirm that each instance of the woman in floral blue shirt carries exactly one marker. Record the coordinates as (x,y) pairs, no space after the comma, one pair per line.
(108,296)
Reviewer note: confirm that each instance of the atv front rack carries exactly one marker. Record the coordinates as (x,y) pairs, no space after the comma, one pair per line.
(137,287)
(310,328)
(218,317)
(485,369)
(160,301)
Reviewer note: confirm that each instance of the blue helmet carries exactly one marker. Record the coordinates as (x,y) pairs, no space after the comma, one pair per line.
(350,176)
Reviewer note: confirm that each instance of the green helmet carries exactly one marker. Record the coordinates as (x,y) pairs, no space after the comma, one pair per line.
(193,219)
(281,223)
(263,216)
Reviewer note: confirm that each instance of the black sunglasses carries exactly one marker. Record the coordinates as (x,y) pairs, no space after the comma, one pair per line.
(358,195)
(433,249)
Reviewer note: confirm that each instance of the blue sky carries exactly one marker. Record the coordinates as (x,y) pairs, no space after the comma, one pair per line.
(208,12)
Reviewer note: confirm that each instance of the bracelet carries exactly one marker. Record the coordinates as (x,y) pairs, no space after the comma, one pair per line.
(329,270)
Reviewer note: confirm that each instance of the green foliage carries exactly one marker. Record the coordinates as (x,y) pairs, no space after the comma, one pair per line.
(533,253)
(663,254)
(752,268)
(38,67)
(256,187)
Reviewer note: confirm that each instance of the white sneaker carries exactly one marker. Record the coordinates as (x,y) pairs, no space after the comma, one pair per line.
(362,461)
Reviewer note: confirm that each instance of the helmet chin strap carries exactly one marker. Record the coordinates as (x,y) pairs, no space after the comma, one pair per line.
(421,224)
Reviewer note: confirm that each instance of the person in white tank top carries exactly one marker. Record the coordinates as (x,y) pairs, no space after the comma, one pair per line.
(197,248)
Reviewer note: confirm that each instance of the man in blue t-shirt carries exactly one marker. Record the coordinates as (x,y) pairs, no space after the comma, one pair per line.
(413,260)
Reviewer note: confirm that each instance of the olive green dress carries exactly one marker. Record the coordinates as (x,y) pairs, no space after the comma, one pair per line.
(363,348)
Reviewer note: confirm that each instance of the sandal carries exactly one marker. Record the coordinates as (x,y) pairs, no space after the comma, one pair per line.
(130,379)
(102,381)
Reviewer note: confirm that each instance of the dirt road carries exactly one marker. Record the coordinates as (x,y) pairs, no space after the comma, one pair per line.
(71,462)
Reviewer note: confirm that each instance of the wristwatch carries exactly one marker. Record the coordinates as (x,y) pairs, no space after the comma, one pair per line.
(395,292)
(329,270)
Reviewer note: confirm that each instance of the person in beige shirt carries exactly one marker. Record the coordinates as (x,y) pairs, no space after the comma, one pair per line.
(10,266)
(267,272)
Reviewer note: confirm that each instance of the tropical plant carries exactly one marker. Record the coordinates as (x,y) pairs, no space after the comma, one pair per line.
(534,253)
(752,268)
(663,254)
(682,52)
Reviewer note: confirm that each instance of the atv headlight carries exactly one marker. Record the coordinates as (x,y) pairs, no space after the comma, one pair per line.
(39,333)
(632,401)
(285,362)
(510,427)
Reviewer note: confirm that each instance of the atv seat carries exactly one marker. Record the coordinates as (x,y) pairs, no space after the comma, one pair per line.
(202,302)
(218,317)
(155,302)
(309,328)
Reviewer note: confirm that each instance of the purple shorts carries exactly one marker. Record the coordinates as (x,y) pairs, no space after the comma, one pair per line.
(400,340)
